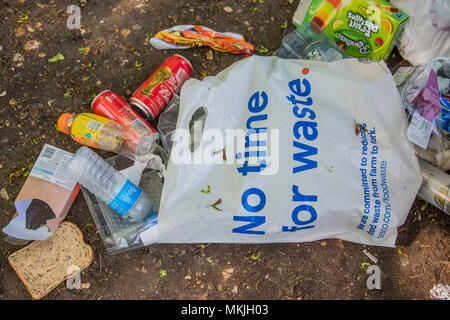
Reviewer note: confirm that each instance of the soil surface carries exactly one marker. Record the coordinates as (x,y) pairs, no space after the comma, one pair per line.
(34,92)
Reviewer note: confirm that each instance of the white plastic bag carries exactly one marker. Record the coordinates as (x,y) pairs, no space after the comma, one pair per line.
(312,150)
(427,32)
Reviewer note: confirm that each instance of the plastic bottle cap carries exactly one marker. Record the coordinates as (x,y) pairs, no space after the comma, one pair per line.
(65,122)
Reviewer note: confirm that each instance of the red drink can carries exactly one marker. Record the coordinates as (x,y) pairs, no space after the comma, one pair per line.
(156,93)
(111,105)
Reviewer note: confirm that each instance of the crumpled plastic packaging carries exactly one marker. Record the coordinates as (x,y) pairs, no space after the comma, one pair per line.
(440,292)
(189,36)
(411,82)
(427,32)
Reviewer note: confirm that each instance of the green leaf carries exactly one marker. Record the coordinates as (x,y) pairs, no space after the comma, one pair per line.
(44,225)
(262,49)
(208,190)
(424,206)
(67,95)
(329,170)
(58,57)
(162,273)
(256,256)
(27,170)
(82,51)
(23,17)
(215,204)
(364,265)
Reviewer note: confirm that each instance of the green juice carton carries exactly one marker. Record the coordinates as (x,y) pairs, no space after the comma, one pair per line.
(362,28)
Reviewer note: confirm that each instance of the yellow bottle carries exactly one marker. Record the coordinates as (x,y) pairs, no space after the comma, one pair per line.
(102,133)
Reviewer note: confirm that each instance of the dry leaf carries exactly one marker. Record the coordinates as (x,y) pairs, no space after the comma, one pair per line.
(4,194)
(209,55)
(20,32)
(32,45)
(125,32)
(226,274)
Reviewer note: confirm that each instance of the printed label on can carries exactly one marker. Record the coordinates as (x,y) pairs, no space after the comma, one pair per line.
(88,126)
(158,90)
(126,198)
(159,77)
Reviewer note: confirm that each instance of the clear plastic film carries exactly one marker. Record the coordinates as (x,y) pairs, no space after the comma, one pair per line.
(435,187)
(119,235)
(425,94)
(306,43)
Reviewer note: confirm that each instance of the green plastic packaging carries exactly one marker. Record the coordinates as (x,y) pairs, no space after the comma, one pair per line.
(362,28)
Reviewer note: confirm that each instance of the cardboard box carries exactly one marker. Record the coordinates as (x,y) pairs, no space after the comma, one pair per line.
(45,198)
(362,28)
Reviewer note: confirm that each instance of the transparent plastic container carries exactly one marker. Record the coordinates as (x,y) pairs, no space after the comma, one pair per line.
(119,235)
(167,122)
(308,44)
(110,186)
(435,187)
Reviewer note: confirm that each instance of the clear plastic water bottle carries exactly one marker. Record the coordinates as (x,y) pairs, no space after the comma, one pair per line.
(308,44)
(110,186)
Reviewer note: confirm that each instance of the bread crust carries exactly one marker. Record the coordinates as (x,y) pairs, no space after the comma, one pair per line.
(81,241)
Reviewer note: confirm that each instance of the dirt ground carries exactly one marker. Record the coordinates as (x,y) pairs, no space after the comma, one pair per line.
(34,92)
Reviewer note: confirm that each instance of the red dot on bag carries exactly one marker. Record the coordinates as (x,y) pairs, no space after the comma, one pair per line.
(305,71)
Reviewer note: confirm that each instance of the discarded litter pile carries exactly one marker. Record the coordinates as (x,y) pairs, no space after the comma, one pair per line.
(306,145)
(425,91)
(315,142)
(122,210)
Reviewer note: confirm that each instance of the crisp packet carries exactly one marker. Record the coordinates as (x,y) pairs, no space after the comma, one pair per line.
(189,36)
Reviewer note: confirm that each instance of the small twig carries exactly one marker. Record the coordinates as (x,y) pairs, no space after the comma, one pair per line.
(371,256)
(18,73)
(100,263)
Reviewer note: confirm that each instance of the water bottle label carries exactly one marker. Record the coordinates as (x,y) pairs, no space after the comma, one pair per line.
(126,198)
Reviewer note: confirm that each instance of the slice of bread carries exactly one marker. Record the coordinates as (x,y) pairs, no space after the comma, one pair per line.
(43,265)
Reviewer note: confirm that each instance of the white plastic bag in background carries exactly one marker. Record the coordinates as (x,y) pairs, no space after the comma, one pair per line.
(332,159)
(427,32)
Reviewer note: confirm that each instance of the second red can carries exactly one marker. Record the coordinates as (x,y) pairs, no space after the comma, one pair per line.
(111,105)
(159,89)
